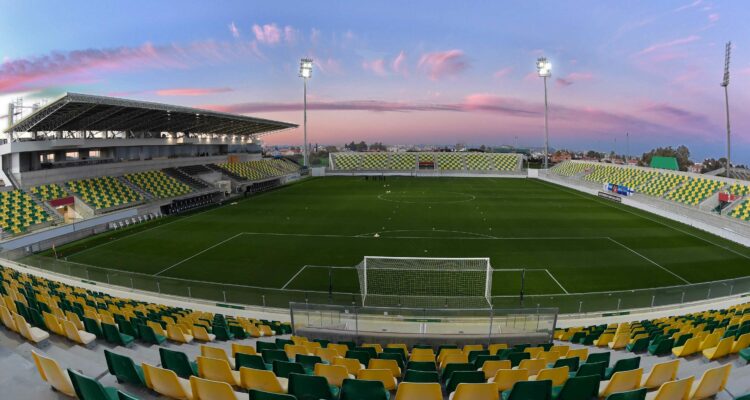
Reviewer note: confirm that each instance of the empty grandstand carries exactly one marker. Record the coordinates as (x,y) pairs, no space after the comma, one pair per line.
(444,162)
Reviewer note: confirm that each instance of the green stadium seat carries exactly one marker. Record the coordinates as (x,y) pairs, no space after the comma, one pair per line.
(124,369)
(354,389)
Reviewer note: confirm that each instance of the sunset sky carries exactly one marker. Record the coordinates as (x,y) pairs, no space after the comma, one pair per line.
(406,72)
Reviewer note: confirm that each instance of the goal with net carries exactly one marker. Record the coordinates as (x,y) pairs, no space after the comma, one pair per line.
(425,282)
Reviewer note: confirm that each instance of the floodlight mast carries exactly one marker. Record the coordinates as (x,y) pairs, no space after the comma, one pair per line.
(305,72)
(725,84)
(544,68)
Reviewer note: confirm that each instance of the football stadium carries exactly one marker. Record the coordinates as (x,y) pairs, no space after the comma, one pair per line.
(200,242)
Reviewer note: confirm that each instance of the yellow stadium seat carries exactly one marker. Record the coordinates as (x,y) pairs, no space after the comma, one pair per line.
(53,324)
(454,358)
(204,389)
(742,342)
(447,352)
(200,333)
(78,336)
(378,348)
(622,381)
(506,378)
(419,391)
(292,350)
(217,370)
(582,354)
(242,348)
(534,351)
(712,340)
(262,380)
(472,347)
(51,373)
(398,346)
(490,367)
(421,357)
(327,354)
(382,375)
(620,341)
(216,352)
(496,347)
(167,383)
(475,391)
(660,374)
(174,333)
(377,363)
(723,349)
(712,382)
(673,390)
(352,365)
(690,347)
(335,374)
(558,375)
(604,340)
(533,366)
(32,334)
(341,349)
(562,349)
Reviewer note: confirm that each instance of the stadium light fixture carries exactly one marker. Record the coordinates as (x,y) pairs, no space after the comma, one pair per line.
(305,72)
(725,85)
(544,68)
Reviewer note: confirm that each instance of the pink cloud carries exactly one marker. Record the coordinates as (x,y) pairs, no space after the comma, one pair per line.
(713,18)
(290,34)
(314,35)
(693,4)
(17,74)
(442,64)
(667,45)
(267,34)
(233,29)
(502,73)
(191,91)
(328,65)
(377,67)
(399,64)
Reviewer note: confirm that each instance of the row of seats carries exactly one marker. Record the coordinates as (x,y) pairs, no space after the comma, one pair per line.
(158,184)
(675,187)
(260,169)
(49,192)
(382,161)
(19,212)
(104,192)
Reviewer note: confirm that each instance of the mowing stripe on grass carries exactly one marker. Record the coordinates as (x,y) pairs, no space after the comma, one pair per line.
(650,260)
(197,254)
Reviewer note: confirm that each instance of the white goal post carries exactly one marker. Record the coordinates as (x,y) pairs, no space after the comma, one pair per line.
(425,282)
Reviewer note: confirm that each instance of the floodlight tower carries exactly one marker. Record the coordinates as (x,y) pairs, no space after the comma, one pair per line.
(544,68)
(305,72)
(725,84)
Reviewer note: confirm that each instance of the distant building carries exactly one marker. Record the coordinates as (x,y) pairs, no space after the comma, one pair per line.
(561,156)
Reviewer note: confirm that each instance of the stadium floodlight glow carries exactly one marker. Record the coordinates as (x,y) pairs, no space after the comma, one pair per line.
(305,72)
(544,68)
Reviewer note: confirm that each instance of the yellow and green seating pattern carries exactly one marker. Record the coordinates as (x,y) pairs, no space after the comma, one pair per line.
(630,177)
(695,191)
(18,212)
(479,162)
(347,161)
(662,183)
(283,165)
(104,192)
(742,211)
(426,157)
(739,189)
(569,168)
(375,161)
(159,184)
(505,162)
(48,192)
(449,161)
(245,170)
(403,161)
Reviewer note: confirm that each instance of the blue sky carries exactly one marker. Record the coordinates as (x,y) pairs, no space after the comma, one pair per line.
(406,72)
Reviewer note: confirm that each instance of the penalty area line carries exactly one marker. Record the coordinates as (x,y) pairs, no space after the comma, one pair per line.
(649,260)
(294,277)
(197,254)
(556,281)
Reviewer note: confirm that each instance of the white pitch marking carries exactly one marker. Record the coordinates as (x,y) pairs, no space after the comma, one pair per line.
(294,277)
(198,253)
(649,260)
(556,281)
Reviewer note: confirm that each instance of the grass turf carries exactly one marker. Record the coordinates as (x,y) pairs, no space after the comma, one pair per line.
(587,244)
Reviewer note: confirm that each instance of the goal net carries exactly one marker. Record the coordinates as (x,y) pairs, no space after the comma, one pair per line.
(425,282)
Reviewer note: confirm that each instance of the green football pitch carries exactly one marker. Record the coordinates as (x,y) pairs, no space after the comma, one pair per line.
(567,241)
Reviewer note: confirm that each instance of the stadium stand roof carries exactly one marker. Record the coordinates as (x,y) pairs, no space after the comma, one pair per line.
(82,112)
(669,163)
